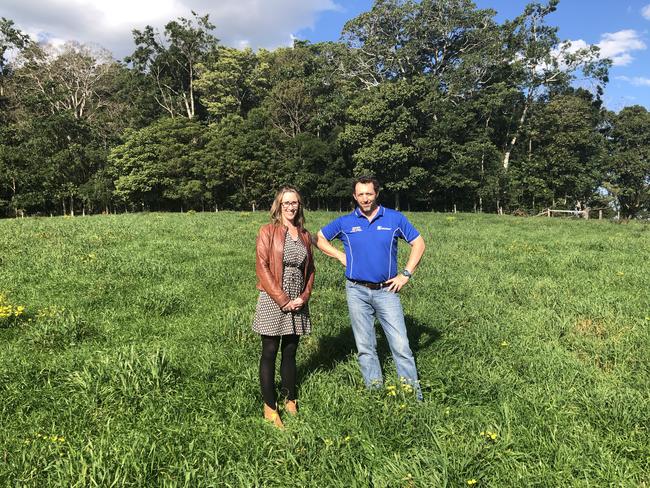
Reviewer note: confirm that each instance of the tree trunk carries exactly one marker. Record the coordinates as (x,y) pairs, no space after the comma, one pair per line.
(513,141)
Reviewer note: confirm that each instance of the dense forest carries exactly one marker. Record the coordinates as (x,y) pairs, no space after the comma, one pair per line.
(447,107)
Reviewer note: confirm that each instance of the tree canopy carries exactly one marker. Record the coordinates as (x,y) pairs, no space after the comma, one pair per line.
(447,106)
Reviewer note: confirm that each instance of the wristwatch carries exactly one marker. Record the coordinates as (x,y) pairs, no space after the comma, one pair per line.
(406,273)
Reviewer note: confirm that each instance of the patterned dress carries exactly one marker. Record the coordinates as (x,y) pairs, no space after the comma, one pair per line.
(269,318)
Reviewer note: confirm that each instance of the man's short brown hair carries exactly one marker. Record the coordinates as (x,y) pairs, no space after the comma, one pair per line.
(365,180)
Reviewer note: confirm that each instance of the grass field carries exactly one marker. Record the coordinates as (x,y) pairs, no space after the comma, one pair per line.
(132,362)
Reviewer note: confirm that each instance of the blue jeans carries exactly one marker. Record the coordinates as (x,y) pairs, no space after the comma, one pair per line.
(364,305)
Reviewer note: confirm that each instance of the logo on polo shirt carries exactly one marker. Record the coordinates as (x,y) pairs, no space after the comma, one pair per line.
(379,227)
(356,229)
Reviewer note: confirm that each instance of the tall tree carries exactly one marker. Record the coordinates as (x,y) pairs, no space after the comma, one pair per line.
(10,38)
(156,166)
(171,60)
(74,79)
(380,135)
(562,158)
(234,82)
(629,169)
(243,160)
(540,62)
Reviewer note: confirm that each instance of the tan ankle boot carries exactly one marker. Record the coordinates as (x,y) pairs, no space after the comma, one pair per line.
(272,416)
(291,407)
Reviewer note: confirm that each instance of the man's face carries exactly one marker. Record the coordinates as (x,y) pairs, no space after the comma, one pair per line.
(365,196)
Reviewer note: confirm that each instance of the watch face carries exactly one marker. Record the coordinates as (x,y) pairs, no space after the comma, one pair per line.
(406,273)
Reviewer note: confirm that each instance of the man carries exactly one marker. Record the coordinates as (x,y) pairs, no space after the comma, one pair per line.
(369,236)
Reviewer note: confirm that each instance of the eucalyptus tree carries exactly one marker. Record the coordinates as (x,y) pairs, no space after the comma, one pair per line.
(294,84)
(538,62)
(171,60)
(306,106)
(75,78)
(68,94)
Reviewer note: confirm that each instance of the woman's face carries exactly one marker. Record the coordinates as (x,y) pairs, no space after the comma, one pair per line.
(290,205)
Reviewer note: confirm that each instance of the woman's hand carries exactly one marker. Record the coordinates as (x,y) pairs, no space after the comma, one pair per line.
(294,305)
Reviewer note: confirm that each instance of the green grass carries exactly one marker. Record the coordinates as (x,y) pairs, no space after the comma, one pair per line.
(134,364)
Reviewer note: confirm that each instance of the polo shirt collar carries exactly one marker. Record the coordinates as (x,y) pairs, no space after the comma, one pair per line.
(379,213)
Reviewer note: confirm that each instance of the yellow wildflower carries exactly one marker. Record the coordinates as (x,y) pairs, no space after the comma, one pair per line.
(505,344)
(472,482)
(489,435)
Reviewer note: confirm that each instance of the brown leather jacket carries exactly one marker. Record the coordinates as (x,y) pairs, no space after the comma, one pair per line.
(269,268)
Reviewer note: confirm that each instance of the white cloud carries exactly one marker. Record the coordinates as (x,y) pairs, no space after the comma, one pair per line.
(254,23)
(645,11)
(635,80)
(617,46)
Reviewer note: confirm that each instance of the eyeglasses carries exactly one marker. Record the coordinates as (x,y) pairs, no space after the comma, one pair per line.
(290,204)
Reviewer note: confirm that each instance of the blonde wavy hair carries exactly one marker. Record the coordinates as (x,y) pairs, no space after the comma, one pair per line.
(276,208)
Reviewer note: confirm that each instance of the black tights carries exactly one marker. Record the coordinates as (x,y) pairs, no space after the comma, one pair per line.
(270,346)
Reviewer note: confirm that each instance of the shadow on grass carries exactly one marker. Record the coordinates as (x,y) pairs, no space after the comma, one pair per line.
(334,349)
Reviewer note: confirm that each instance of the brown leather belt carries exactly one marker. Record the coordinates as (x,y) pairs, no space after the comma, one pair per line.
(369,284)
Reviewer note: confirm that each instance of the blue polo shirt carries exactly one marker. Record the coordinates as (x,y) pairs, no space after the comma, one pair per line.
(371,246)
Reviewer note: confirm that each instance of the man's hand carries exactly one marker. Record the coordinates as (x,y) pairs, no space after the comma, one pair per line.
(397,283)
(341,258)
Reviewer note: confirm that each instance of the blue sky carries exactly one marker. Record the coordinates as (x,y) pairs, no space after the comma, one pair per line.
(618,24)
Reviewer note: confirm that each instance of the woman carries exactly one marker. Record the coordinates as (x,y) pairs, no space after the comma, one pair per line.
(285,276)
